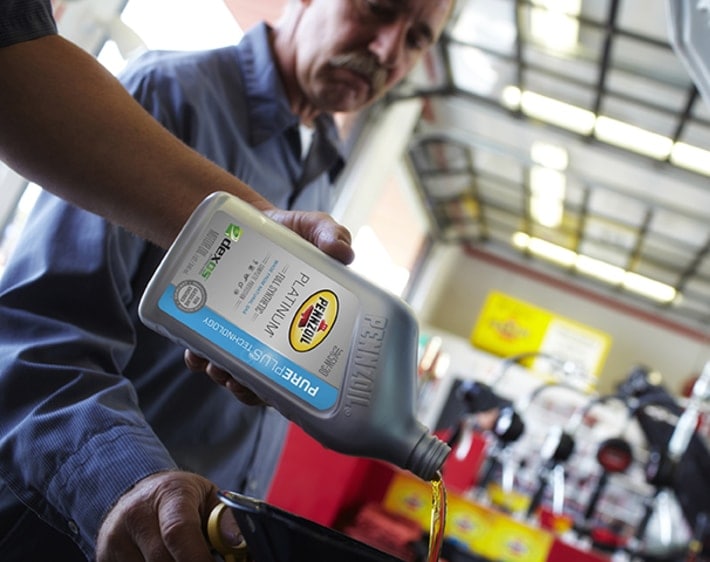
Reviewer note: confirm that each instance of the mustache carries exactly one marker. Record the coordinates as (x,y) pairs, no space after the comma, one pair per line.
(364,65)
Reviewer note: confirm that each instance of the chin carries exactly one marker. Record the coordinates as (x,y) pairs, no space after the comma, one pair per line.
(336,98)
(347,107)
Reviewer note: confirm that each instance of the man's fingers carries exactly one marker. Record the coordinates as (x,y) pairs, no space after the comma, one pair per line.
(242,393)
(181,528)
(333,239)
(320,229)
(194,362)
(199,364)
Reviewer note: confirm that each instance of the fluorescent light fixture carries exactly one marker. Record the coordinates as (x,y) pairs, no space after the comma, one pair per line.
(547,183)
(520,240)
(599,269)
(554,24)
(549,155)
(691,158)
(511,97)
(552,252)
(606,129)
(632,282)
(648,287)
(547,188)
(544,249)
(632,138)
(546,212)
(557,112)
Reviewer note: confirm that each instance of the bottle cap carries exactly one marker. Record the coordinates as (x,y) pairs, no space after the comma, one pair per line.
(428,457)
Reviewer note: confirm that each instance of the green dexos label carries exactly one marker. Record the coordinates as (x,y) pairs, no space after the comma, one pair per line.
(233,232)
(231,235)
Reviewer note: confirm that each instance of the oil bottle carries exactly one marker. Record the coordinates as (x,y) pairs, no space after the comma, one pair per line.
(329,350)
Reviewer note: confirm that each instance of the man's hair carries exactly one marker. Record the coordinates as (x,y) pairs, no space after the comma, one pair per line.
(453,8)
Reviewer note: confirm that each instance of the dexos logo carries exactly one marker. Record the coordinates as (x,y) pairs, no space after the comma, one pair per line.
(232,234)
(313,321)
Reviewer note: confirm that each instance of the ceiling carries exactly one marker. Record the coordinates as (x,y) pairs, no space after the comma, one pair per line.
(483,164)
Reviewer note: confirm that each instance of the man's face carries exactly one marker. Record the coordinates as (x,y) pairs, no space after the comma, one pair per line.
(350,52)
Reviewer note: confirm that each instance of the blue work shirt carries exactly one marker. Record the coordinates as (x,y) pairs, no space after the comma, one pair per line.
(91,401)
(22,20)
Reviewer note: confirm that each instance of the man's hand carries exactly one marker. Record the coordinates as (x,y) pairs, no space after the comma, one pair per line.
(320,229)
(162,518)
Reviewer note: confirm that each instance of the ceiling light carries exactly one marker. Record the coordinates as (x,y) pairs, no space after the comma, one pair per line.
(551,252)
(648,287)
(549,155)
(520,240)
(547,183)
(691,158)
(606,129)
(547,187)
(511,97)
(546,212)
(632,138)
(553,23)
(557,112)
(598,269)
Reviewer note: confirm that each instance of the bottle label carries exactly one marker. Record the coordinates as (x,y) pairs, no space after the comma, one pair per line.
(266,308)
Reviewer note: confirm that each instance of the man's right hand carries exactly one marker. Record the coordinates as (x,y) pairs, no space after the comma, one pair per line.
(162,518)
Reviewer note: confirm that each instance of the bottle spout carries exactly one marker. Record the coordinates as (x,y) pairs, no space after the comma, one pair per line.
(427,457)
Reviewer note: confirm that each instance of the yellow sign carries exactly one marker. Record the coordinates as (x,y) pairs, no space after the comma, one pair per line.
(508,327)
(484,531)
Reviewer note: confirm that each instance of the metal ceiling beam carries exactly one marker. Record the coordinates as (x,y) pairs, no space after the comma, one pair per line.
(519,59)
(692,268)
(685,114)
(606,55)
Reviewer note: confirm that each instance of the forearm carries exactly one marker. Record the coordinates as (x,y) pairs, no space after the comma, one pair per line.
(70,126)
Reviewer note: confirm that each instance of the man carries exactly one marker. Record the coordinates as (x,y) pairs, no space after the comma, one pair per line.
(103,435)
(92,144)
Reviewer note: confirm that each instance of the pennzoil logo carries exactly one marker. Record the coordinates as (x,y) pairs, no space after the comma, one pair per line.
(313,321)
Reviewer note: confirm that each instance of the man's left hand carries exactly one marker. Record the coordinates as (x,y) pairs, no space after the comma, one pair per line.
(320,229)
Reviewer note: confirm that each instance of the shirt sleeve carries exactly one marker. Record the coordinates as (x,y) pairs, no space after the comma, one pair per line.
(23,20)
(72,436)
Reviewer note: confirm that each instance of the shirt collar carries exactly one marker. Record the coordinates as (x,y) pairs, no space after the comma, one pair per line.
(269,110)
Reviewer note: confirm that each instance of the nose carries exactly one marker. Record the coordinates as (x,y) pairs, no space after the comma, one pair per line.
(389,44)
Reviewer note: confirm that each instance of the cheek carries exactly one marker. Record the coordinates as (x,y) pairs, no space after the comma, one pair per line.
(398,75)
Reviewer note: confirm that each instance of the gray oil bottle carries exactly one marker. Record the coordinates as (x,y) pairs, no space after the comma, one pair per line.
(329,350)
